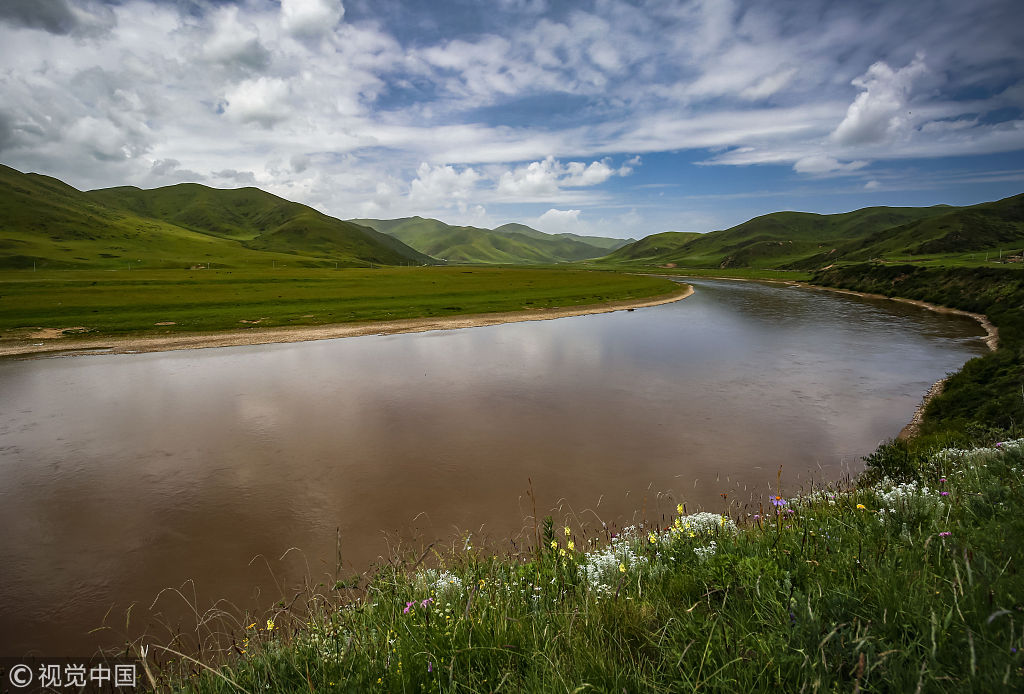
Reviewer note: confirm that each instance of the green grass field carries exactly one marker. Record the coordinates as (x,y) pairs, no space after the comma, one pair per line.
(123,302)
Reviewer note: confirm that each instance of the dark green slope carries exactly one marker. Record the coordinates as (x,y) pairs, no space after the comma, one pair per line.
(262,221)
(801,240)
(509,244)
(653,248)
(530,232)
(47,223)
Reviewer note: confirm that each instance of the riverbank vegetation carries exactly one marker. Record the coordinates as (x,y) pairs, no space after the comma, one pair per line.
(908,584)
(97,303)
(907,580)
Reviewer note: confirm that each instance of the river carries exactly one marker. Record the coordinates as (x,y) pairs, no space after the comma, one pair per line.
(123,475)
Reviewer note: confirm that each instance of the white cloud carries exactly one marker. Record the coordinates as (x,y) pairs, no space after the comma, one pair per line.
(263,100)
(442,186)
(872,185)
(547,178)
(233,41)
(310,18)
(822,164)
(880,111)
(560,222)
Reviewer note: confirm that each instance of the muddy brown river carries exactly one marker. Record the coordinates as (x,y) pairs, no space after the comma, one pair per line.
(124,475)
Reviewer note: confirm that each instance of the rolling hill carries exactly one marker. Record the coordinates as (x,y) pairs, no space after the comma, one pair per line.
(507,244)
(47,223)
(806,241)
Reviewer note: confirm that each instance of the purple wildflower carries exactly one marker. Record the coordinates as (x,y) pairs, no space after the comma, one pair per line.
(430,666)
(778,501)
(408,606)
(426,602)
(945,533)
(789,510)
(757,517)
(942,479)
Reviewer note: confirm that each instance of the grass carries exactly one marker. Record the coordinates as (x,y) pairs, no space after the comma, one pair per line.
(133,302)
(909,584)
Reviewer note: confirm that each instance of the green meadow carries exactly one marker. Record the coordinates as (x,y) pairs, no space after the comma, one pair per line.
(134,302)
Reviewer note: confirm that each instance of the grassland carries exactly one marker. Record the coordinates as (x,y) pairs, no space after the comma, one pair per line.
(135,302)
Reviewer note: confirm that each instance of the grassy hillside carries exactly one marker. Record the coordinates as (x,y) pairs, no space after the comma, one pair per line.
(49,224)
(97,303)
(510,244)
(530,232)
(804,241)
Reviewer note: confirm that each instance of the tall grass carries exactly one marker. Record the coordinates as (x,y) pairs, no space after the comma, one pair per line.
(896,586)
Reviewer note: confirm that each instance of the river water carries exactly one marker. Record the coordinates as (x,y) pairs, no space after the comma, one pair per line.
(123,475)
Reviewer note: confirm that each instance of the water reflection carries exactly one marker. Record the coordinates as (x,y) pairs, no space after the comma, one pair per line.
(123,475)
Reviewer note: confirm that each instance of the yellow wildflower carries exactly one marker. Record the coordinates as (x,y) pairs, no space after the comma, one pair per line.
(572,545)
(567,531)
(652,538)
(561,552)
(862,506)
(251,626)
(554,544)
(270,625)
(679,509)
(622,568)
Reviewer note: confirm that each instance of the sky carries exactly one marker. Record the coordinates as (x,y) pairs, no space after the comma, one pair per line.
(606,117)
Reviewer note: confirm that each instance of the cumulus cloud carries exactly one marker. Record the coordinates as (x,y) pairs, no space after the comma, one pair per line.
(263,100)
(310,18)
(880,111)
(442,185)
(547,177)
(234,42)
(560,222)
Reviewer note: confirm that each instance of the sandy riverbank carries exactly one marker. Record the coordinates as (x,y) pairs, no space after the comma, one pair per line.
(70,346)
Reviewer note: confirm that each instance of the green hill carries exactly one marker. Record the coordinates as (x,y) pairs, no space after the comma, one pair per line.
(47,223)
(508,244)
(530,232)
(801,240)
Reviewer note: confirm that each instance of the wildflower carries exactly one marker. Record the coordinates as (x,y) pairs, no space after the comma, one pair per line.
(945,533)
(945,493)
(679,509)
(862,507)
(561,552)
(652,538)
(622,568)
(270,625)
(778,501)
(757,517)
(572,545)
(408,606)
(430,666)
(251,626)
(426,602)
(554,544)
(942,479)
(567,531)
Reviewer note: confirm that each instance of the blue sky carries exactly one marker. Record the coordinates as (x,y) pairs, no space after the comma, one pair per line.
(617,118)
